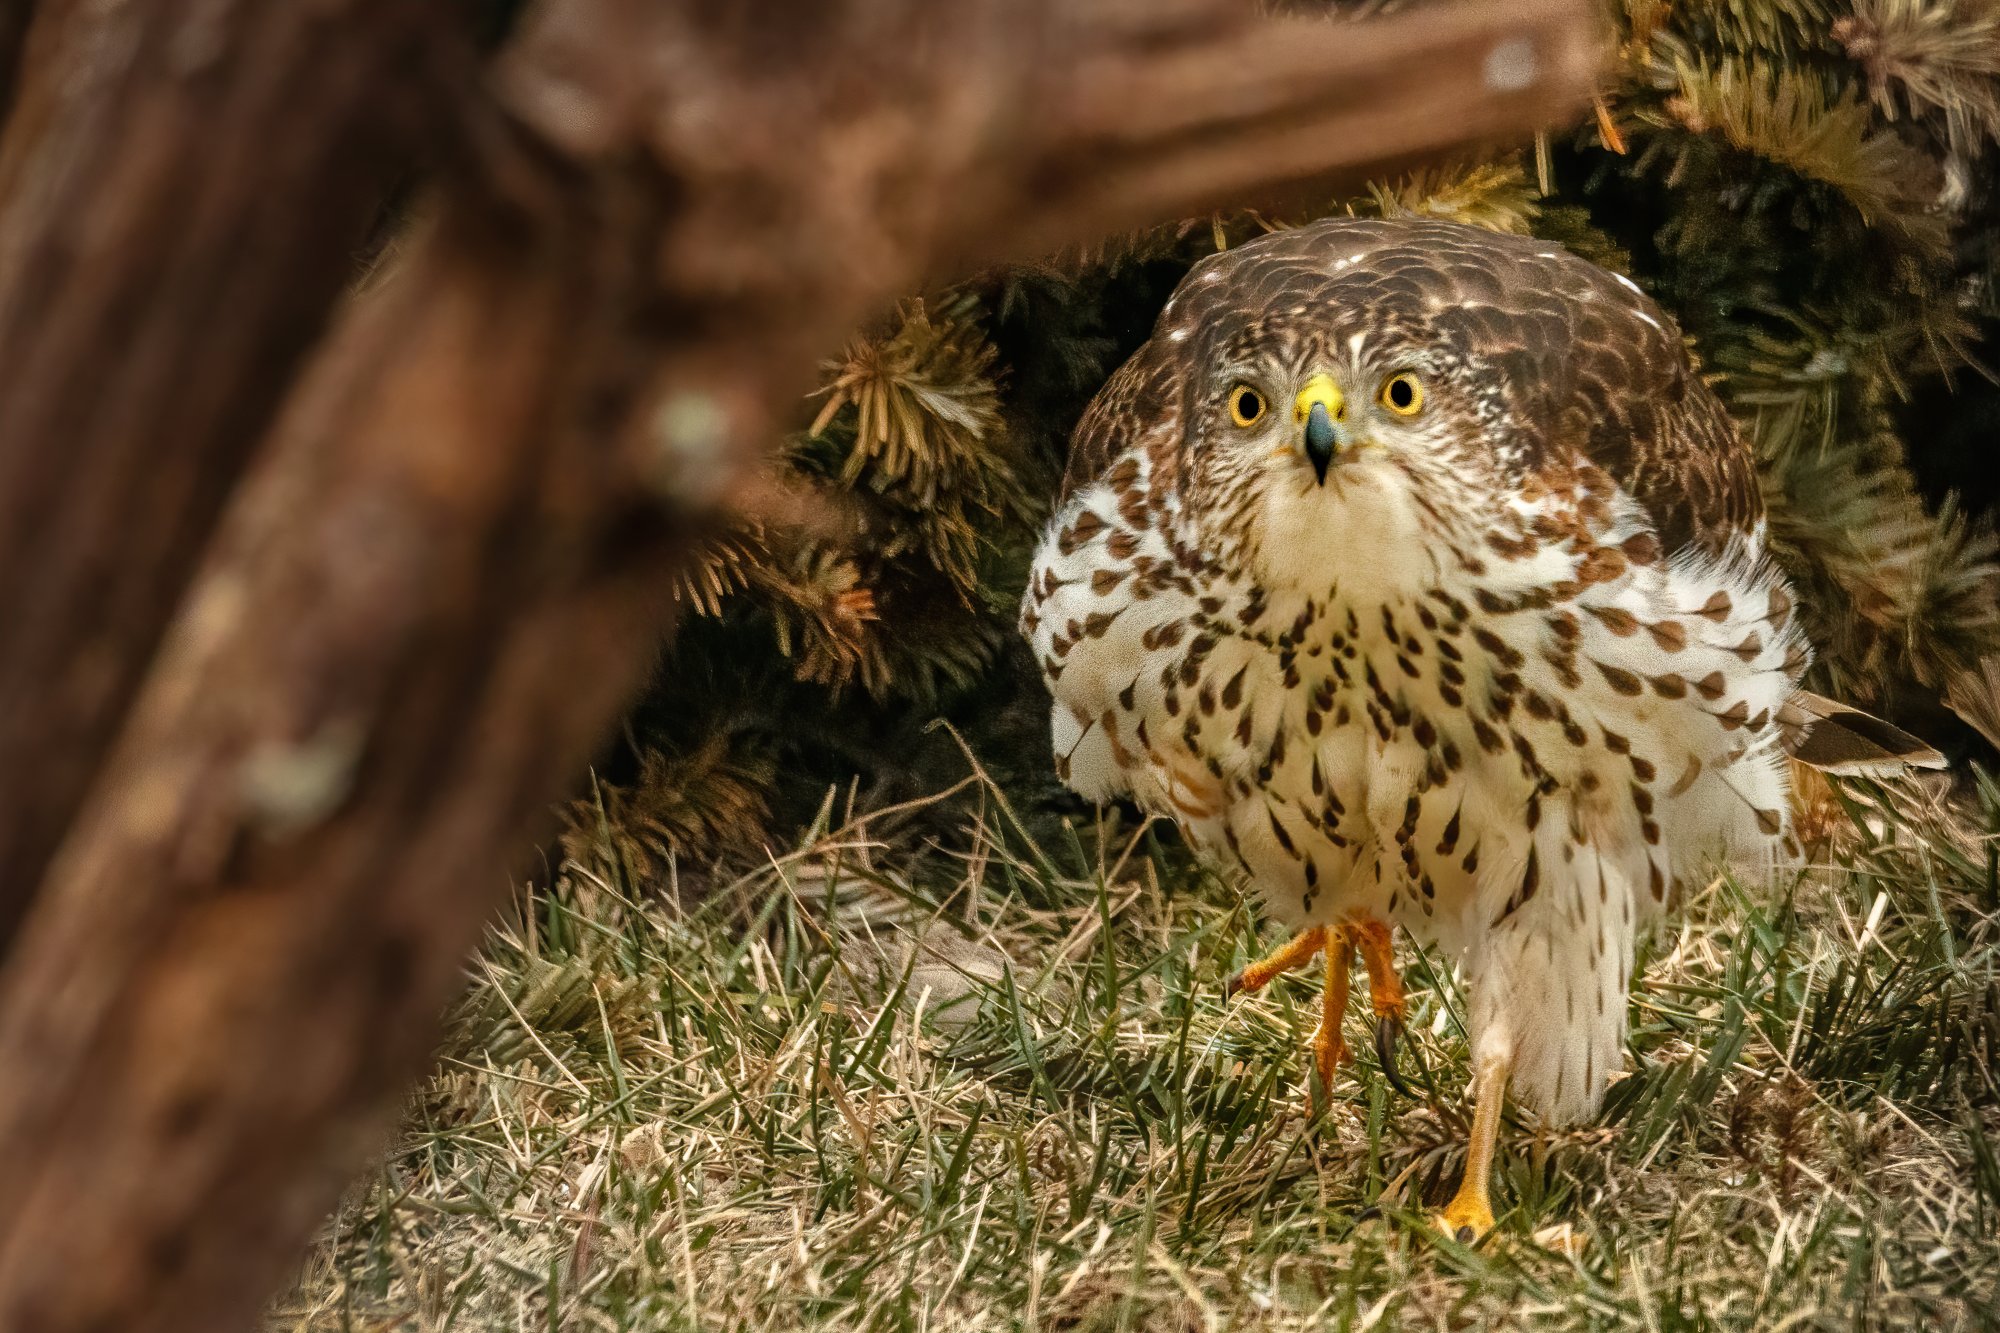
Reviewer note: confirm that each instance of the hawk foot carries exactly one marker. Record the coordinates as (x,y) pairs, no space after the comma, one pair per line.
(1469,1215)
(1385,984)
(1329,1047)
(1467,1218)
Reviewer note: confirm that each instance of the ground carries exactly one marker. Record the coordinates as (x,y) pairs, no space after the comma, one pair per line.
(888,1083)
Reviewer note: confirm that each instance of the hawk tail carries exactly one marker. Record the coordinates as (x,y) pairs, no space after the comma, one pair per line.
(1835,738)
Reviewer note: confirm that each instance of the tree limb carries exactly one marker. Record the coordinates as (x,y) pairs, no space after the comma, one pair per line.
(181,190)
(15,18)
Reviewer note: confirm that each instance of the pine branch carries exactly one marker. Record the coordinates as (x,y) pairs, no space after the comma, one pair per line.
(1791,118)
(1495,195)
(684,806)
(1939,56)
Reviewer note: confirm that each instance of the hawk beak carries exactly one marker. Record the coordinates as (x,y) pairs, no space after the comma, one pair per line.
(1319,439)
(1319,406)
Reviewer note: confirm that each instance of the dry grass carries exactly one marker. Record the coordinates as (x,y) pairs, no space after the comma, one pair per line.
(996,1085)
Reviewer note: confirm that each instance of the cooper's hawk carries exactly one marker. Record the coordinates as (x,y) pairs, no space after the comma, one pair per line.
(1413,570)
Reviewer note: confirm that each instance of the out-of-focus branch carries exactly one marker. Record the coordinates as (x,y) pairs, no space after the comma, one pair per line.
(181,186)
(1142,133)
(15,18)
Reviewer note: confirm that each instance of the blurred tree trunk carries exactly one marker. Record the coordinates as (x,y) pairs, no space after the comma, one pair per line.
(15,16)
(449,567)
(467,594)
(181,189)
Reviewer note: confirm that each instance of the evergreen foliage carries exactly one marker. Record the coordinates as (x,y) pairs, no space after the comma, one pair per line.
(1805,184)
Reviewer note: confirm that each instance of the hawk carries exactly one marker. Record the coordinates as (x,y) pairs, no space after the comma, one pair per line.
(1415,572)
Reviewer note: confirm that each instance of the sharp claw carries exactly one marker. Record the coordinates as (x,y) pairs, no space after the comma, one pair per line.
(1387,1029)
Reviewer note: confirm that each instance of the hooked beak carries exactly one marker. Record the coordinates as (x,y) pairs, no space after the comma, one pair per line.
(1320,406)
(1319,439)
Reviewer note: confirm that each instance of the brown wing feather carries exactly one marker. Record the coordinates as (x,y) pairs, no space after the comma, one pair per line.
(1661,432)
(1143,394)
(1614,379)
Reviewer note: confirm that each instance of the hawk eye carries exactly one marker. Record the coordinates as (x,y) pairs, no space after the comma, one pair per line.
(1246,405)
(1403,394)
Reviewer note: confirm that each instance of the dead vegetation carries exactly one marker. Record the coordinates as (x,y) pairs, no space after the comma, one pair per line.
(989,1082)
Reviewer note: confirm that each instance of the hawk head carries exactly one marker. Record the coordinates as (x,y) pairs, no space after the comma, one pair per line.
(1363,397)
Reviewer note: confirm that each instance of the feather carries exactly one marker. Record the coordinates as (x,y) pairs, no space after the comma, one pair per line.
(1835,738)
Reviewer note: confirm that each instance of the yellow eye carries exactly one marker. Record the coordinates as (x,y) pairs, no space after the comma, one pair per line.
(1246,405)
(1403,394)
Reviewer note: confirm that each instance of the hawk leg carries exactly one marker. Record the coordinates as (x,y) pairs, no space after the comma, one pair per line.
(1294,953)
(1329,1047)
(1469,1215)
(1385,994)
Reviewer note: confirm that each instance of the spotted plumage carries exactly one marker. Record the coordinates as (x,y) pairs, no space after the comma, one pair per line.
(1414,571)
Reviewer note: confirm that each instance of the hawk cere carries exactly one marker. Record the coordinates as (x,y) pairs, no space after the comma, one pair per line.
(1413,571)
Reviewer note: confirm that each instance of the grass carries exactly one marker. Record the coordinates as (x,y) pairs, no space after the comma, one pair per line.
(890,1083)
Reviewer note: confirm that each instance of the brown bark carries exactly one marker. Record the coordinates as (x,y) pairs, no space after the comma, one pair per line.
(15,16)
(180,189)
(423,472)
(446,573)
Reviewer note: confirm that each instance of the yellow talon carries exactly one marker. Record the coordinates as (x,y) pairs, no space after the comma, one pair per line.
(1467,1218)
(1385,993)
(1385,987)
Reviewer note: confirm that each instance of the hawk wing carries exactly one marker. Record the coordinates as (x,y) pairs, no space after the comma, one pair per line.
(1659,430)
(1834,738)
(1143,395)
(1621,386)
